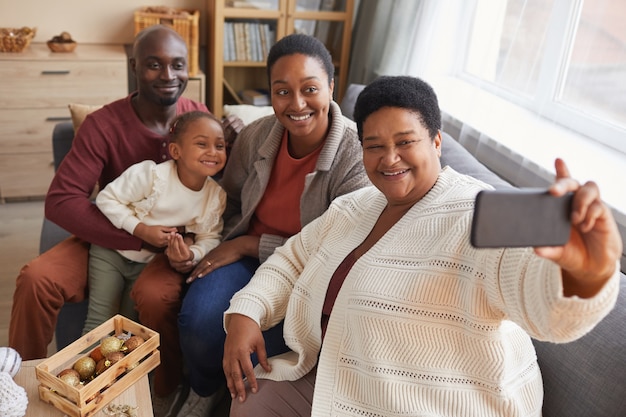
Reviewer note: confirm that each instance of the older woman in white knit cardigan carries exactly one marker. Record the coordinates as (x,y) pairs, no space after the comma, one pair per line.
(388,309)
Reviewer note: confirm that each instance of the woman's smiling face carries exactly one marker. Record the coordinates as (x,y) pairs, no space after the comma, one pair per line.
(400,158)
(301,96)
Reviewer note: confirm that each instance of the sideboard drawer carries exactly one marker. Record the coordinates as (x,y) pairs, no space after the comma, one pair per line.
(37,85)
(25,176)
(29,130)
(45,84)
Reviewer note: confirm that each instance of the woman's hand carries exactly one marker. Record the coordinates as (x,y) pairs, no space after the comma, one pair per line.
(226,253)
(590,256)
(156,236)
(243,337)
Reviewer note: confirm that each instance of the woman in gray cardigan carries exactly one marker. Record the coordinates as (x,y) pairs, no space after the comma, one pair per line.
(284,170)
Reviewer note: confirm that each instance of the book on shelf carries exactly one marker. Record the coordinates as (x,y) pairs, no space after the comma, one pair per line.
(258,97)
(247,41)
(263,41)
(228,42)
(240,41)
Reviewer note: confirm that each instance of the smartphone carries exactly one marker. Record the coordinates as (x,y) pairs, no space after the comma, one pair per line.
(520,218)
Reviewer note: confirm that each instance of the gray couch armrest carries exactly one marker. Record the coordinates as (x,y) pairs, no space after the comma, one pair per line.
(51,234)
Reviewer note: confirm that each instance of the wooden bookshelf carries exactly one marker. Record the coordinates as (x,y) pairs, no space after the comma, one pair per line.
(229,73)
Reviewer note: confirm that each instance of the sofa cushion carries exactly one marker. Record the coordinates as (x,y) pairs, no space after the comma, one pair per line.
(459,158)
(79,112)
(247,112)
(587,377)
(349,99)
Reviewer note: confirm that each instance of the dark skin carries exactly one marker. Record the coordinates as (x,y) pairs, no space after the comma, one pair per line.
(159,63)
(301,96)
(402,161)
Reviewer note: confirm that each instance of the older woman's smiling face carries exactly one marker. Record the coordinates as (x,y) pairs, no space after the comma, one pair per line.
(400,158)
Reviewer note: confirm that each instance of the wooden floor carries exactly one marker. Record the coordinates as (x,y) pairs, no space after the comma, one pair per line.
(20,225)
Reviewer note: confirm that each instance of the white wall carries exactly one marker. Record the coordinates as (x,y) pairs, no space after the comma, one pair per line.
(88,21)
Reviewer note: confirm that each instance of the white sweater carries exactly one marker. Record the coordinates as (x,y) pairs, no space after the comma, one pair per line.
(152,194)
(424,324)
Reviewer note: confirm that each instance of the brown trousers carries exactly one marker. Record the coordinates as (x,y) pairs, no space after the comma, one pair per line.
(60,275)
(278,398)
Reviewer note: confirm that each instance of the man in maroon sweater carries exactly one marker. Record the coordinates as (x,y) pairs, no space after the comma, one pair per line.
(111,139)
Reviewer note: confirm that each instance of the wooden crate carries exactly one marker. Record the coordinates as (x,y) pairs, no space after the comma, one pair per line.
(87,400)
(187,26)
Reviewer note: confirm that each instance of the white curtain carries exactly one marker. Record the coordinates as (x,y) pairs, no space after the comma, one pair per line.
(411,37)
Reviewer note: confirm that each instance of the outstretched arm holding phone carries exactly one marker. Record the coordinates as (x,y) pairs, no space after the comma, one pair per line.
(590,256)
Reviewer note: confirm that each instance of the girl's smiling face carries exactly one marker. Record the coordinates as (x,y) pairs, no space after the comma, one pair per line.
(400,157)
(200,152)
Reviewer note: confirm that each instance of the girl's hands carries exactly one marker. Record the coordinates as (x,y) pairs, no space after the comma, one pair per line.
(157,236)
(179,254)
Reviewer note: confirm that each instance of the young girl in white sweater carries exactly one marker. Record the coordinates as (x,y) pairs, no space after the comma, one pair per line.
(154,202)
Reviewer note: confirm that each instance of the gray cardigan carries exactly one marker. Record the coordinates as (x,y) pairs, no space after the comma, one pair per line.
(339,170)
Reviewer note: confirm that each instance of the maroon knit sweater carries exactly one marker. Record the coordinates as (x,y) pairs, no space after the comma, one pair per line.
(109,141)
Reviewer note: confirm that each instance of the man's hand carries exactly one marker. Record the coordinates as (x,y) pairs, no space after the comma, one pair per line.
(157,236)
(243,337)
(232,126)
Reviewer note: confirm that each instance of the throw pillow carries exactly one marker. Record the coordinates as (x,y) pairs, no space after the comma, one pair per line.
(79,112)
(247,112)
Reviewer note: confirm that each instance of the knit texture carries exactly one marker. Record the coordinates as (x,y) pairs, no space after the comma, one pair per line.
(108,141)
(339,170)
(424,323)
(13,398)
(152,194)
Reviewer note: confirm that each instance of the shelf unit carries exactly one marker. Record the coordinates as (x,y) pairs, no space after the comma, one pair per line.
(328,20)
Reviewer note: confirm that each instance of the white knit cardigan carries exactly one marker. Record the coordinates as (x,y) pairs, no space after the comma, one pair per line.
(424,324)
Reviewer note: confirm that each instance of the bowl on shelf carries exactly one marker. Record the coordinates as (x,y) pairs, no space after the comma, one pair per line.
(62,46)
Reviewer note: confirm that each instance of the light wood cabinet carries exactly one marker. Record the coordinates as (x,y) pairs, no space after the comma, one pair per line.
(328,20)
(36,89)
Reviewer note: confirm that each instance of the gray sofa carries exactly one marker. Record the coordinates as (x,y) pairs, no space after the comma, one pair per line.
(581,379)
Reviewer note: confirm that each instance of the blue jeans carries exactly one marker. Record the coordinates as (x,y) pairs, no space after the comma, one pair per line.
(201,324)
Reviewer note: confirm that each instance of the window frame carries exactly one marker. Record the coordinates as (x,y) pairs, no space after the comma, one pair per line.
(554,63)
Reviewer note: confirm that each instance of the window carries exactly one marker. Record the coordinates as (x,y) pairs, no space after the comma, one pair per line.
(564,60)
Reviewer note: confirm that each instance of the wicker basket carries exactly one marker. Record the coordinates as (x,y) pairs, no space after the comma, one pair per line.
(185,22)
(16,39)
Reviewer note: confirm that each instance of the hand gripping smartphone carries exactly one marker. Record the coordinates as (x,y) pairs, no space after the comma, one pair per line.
(520,218)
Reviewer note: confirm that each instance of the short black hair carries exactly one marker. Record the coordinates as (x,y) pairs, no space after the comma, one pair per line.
(402,91)
(298,43)
(182,122)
